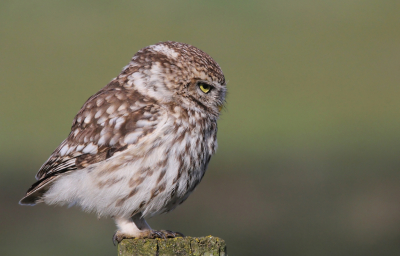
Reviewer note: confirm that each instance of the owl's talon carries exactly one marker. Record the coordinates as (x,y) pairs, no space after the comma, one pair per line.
(158,234)
(179,234)
(171,234)
(164,234)
(118,237)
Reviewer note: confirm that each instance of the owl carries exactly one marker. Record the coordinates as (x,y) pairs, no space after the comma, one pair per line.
(139,146)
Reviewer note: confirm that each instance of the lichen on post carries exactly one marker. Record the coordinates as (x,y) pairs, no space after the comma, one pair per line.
(196,246)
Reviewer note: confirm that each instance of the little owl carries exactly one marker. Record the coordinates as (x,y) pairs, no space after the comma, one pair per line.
(139,146)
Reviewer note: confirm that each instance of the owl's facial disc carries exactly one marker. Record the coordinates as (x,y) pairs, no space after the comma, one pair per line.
(205,95)
(206,88)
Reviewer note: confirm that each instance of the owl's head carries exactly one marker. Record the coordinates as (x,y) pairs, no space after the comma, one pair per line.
(177,73)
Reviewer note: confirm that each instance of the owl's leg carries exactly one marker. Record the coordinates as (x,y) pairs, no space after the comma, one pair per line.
(133,227)
(137,227)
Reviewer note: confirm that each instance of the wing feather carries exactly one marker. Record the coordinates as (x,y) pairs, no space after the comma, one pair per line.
(107,123)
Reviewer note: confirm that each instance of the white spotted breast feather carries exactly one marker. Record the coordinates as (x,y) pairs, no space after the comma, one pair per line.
(106,125)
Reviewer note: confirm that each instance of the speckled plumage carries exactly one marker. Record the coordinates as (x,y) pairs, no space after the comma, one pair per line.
(140,145)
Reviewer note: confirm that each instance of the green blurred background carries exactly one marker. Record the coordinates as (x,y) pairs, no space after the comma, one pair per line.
(308,160)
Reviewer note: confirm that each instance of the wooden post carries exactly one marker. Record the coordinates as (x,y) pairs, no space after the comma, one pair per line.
(207,246)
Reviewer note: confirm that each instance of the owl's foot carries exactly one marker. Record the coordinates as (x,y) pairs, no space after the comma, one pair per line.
(147,234)
(166,234)
(119,236)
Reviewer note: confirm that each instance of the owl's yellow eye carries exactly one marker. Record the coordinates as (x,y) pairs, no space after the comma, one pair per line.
(205,87)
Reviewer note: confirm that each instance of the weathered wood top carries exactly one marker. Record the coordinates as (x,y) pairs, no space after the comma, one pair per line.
(206,246)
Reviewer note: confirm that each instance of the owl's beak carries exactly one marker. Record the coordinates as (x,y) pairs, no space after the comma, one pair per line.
(220,107)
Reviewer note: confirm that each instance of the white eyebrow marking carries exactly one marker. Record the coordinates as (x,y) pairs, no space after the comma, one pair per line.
(166,50)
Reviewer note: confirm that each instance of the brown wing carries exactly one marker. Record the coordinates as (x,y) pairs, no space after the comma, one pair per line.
(107,123)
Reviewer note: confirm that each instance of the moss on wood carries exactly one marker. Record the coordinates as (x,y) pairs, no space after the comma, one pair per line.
(196,246)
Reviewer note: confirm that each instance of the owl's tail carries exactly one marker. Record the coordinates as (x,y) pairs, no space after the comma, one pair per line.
(36,191)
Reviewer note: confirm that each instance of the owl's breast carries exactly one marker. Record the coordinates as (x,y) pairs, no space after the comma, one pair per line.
(194,135)
(157,173)
(191,143)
